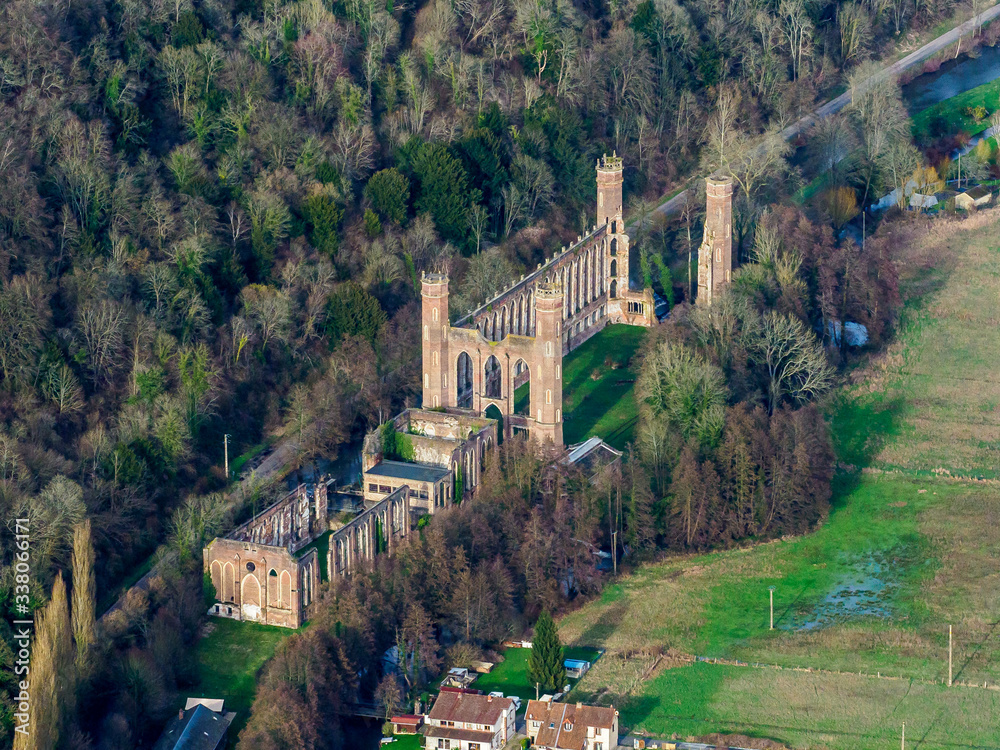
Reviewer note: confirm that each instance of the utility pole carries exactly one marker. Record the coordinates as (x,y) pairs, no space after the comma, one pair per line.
(225,449)
(771,590)
(903,740)
(614,552)
(949,656)
(536,691)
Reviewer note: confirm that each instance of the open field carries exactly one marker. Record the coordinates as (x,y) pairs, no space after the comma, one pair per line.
(808,709)
(229,658)
(598,383)
(905,553)
(931,403)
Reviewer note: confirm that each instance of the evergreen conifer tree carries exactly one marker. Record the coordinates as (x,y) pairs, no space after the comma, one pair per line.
(545,666)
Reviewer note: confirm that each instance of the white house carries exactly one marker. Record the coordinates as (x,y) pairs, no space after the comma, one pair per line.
(459,721)
(974,198)
(565,726)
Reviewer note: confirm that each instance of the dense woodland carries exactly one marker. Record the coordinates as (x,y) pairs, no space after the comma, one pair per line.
(213,218)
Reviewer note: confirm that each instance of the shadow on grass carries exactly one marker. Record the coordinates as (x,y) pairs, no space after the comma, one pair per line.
(589,400)
(606,625)
(860,426)
(976,650)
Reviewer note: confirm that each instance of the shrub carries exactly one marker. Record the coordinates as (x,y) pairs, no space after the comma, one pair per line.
(977,113)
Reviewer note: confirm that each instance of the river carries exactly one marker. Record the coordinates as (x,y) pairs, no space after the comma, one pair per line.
(954,77)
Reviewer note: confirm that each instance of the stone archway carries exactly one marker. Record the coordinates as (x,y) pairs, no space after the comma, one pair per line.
(250,598)
(285,598)
(493,412)
(492,378)
(522,388)
(463,381)
(229,582)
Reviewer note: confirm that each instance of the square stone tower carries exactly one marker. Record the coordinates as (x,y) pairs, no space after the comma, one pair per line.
(715,256)
(434,339)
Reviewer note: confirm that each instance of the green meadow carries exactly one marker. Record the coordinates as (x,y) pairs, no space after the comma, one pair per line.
(863,604)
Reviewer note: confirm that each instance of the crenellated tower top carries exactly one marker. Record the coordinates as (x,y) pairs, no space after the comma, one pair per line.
(610,175)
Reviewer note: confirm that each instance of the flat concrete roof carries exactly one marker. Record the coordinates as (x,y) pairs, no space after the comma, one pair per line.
(403,470)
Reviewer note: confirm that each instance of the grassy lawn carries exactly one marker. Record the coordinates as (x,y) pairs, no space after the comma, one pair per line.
(322,545)
(406,742)
(934,397)
(230,657)
(511,675)
(598,381)
(907,550)
(949,115)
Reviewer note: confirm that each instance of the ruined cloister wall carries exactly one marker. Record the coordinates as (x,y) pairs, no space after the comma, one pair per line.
(292,522)
(357,542)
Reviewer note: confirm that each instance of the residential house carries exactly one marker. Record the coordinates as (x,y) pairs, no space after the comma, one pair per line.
(973,198)
(565,726)
(197,728)
(459,721)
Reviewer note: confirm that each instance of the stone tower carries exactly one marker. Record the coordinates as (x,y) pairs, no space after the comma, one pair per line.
(434,299)
(546,380)
(715,256)
(610,171)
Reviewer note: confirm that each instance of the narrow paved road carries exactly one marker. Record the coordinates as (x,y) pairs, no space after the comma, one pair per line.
(675,204)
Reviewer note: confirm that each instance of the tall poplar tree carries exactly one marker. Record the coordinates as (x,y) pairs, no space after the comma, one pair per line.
(84,620)
(545,666)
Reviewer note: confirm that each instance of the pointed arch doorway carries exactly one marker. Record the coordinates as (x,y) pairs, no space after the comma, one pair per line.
(493,412)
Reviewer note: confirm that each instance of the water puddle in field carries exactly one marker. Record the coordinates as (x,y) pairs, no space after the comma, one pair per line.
(865,592)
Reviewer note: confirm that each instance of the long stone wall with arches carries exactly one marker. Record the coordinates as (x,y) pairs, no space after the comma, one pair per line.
(377,530)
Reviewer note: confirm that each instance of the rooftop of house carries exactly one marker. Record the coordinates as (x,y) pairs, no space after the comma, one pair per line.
(404,470)
(469,709)
(408,719)
(454,733)
(980,191)
(564,725)
(198,728)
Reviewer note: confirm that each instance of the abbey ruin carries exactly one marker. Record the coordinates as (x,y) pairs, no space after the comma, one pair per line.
(521,335)
(428,458)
